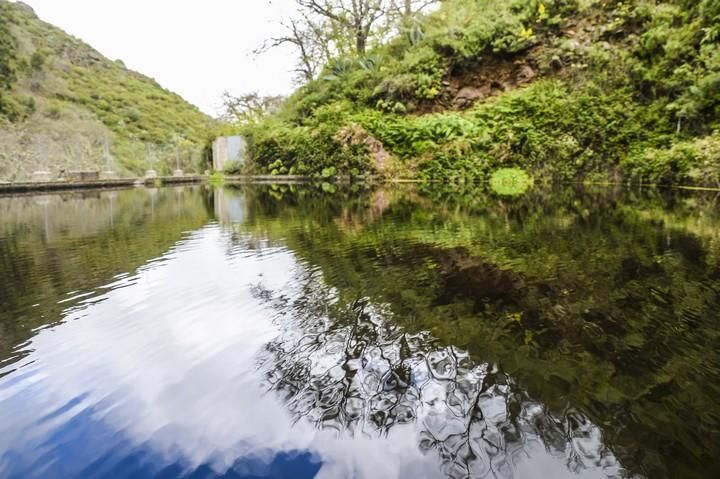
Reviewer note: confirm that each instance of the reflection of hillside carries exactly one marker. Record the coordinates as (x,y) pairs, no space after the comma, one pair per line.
(54,246)
(588,297)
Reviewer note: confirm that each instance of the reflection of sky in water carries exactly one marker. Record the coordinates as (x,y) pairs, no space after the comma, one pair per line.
(166,374)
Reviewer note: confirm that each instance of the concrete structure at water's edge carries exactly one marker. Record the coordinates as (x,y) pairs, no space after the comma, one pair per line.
(228,149)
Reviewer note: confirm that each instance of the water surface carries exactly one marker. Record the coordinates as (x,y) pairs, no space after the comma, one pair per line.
(387,332)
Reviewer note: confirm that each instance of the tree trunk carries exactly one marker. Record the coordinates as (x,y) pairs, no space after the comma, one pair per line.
(360,41)
(408,8)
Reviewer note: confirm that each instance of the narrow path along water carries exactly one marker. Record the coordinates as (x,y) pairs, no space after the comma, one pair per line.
(295,332)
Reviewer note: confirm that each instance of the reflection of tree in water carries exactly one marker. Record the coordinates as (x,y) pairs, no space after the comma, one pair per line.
(345,366)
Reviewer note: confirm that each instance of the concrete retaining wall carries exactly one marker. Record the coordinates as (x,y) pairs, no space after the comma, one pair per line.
(228,148)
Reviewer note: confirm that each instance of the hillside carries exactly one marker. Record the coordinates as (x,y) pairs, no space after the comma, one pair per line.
(61,100)
(593,90)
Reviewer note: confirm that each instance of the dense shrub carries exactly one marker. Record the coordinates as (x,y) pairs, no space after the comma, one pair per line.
(234,168)
(280,149)
(7,60)
(689,161)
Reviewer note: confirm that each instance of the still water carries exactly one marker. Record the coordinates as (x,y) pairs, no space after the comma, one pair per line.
(389,332)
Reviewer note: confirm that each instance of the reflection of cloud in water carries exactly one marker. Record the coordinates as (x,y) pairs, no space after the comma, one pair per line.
(160,369)
(349,369)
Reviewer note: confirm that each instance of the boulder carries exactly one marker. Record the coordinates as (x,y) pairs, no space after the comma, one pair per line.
(469,93)
(467,96)
(355,134)
(556,63)
(525,73)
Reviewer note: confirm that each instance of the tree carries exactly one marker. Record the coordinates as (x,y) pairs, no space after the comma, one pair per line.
(355,17)
(248,108)
(325,29)
(408,9)
(311,38)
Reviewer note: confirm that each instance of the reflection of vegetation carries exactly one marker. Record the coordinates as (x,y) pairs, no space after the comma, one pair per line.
(601,300)
(352,369)
(42,260)
(510,181)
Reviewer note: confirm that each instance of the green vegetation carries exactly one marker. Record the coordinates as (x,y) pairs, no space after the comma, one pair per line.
(60,100)
(510,181)
(596,90)
(7,60)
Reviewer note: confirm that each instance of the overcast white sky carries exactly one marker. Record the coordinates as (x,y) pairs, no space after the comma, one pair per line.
(197,48)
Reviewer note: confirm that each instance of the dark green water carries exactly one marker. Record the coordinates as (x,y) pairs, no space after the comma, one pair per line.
(279,331)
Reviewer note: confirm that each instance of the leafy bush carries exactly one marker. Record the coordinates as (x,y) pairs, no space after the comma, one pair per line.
(37,60)
(692,161)
(234,168)
(280,149)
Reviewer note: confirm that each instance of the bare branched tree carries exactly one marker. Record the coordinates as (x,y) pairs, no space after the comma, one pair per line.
(357,17)
(325,29)
(249,107)
(311,40)
(401,13)
(410,8)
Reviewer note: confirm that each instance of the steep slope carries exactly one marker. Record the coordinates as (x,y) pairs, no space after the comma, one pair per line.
(567,89)
(61,101)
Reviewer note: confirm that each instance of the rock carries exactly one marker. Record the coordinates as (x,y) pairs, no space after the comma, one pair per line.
(525,73)
(556,63)
(354,134)
(81,55)
(469,93)
(474,278)
(467,96)
(570,45)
